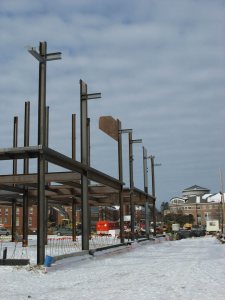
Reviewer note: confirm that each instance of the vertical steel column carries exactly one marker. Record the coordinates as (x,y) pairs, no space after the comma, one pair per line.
(153,193)
(120,167)
(46,133)
(222,199)
(74,219)
(74,136)
(15,144)
(41,210)
(84,160)
(42,57)
(145,170)
(89,160)
(88,142)
(26,171)
(42,95)
(41,158)
(131,184)
(46,170)
(26,134)
(13,220)
(74,158)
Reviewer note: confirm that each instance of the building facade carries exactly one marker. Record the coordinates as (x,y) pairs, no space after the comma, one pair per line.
(6,218)
(198,202)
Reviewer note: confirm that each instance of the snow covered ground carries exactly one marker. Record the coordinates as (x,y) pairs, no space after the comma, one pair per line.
(186,269)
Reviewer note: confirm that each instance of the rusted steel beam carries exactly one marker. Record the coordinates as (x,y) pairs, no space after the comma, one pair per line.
(26,134)
(70,184)
(13,232)
(93,174)
(105,179)
(26,171)
(64,161)
(101,189)
(84,161)
(20,152)
(120,174)
(74,136)
(74,220)
(15,142)
(11,188)
(32,178)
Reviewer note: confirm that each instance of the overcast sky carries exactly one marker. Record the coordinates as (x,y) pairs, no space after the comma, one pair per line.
(159,64)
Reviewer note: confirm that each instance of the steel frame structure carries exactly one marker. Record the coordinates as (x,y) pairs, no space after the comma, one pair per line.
(71,187)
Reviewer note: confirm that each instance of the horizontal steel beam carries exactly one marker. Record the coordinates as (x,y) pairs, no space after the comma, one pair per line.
(102,178)
(11,188)
(20,152)
(32,178)
(64,161)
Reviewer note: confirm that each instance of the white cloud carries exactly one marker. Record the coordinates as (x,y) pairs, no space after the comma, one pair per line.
(159,65)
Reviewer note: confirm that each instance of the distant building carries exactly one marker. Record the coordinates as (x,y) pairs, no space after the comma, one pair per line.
(6,218)
(58,214)
(195,190)
(198,202)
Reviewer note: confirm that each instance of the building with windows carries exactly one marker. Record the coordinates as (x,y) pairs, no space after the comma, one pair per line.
(6,218)
(198,202)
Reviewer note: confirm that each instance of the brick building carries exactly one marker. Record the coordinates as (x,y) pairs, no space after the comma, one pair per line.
(6,218)
(58,214)
(198,202)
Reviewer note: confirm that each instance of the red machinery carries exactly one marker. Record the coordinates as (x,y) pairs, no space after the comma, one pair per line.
(108,228)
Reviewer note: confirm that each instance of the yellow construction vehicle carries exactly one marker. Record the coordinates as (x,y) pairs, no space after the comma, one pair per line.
(187,226)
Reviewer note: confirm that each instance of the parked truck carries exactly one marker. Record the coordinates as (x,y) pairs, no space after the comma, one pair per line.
(175,227)
(212,226)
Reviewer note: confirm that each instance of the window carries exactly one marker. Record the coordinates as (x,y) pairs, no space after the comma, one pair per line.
(6,220)
(30,221)
(17,210)
(206,215)
(1,220)
(17,221)
(212,223)
(31,210)
(6,211)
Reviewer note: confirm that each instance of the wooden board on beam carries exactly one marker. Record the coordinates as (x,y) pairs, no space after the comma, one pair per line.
(109,125)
